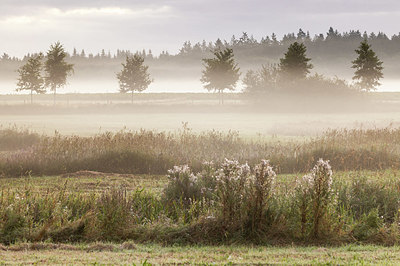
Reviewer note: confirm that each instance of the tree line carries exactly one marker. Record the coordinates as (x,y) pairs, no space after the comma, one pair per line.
(220,72)
(332,40)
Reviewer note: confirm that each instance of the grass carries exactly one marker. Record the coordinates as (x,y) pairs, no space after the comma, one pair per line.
(88,122)
(89,182)
(90,206)
(224,214)
(156,254)
(85,182)
(154,152)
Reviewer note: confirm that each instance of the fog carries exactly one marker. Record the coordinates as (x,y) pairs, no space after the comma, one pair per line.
(158,86)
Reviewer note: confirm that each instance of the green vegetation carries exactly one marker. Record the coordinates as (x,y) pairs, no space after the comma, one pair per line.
(134,75)
(56,68)
(30,76)
(368,67)
(126,253)
(245,210)
(187,208)
(221,72)
(295,64)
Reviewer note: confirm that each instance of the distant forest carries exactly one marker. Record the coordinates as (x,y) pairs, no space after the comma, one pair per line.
(331,55)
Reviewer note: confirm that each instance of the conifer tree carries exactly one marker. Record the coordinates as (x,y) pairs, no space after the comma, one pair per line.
(368,67)
(57,69)
(221,72)
(295,64)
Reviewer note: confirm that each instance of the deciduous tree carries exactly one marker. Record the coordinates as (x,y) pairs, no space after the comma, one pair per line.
(134,75)
(30,76)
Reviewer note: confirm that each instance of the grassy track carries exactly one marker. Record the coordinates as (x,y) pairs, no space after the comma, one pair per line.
(85,182)
(92,182)
(155,254)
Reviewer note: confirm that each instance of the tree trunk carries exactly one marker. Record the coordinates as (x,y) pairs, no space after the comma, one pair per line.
(55,91)
(221,97)
(132,98)
(31,97)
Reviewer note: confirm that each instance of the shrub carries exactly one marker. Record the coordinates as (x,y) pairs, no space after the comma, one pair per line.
(13,227)
(183,185)
(113,215)
(314,194)
(261,190)
(368,225)
(232,191)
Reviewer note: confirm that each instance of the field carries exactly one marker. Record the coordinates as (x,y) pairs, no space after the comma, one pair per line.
(111,185)
(156,254)
(88,114)
(142,253)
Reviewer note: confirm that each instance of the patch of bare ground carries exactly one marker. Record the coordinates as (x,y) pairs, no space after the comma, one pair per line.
(86,173)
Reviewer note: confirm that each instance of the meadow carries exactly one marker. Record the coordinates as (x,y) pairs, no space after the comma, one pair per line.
(89,114)
(240,186)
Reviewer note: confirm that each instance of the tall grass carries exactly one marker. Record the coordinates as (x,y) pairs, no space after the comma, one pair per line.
(230,202)
(154,152)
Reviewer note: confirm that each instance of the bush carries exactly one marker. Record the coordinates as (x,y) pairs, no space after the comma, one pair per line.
(261,191)
(368,225)
(13,227)
(313,197)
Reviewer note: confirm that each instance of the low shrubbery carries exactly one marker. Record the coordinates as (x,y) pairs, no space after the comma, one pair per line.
(223,203)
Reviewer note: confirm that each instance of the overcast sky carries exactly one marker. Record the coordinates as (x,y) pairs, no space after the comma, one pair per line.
(32,25)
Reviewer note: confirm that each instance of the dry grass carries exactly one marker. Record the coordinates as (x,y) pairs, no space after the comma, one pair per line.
(80,182)
(155,254)
(152,152)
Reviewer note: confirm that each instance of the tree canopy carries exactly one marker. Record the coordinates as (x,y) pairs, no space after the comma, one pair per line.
(221,72)
(261,81)
(295,64)
(368,67)
(134,75)
(30,76)
(57,69)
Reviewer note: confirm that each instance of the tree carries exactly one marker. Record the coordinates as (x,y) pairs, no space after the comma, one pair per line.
(368,67)
(133,76)
(295,65)
(263,81)
(221,72)
(30,76)
(251,82)
(57,69)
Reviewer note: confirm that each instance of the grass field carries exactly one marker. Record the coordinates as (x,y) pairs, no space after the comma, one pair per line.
(59,206)
(247,124)
(146,254)
(108,254)
(88,114)
(87,182)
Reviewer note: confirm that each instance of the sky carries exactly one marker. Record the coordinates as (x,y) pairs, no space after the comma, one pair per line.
(32,25)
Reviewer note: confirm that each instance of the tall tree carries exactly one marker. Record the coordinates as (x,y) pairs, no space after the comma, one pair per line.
(368,67)
(134,75)
(295,64)
(30,76)
(221,72)
(57,69)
